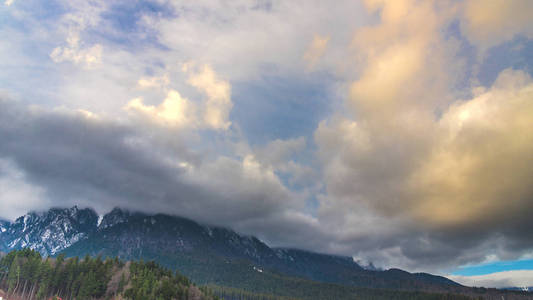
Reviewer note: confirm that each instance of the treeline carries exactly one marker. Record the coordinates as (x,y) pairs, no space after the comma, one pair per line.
(305,289)
(151,281)
(228,293)
(26,275)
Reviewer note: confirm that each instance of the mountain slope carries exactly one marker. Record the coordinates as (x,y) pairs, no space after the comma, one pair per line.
(96,278)
(48,232)
(220,256)
(4,226)
(214,255)
(26,275)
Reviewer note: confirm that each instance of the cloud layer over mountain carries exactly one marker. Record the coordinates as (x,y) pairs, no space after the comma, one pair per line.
(397,132)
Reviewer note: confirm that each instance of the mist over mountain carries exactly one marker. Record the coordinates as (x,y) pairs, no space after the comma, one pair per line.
(206,254)
(187,245)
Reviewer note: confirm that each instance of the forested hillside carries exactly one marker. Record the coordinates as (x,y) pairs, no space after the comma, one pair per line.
(232,265)
(220,256)
(24,274)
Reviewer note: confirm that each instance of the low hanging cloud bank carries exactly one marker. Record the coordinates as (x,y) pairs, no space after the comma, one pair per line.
(506,279)
(64,157)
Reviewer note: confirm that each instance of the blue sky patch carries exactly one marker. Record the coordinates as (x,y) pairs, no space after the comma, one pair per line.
(494,267)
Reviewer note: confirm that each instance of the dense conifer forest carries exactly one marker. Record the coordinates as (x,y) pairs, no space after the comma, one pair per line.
(25,274)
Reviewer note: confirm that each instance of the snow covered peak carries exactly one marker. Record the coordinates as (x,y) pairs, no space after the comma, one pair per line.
(116,216)
(51,231)
(4,226)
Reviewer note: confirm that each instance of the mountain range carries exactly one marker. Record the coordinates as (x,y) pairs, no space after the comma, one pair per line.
(206,254)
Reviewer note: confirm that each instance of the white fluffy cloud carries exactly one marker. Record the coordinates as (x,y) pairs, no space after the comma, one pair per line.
(175,110)
(218,104)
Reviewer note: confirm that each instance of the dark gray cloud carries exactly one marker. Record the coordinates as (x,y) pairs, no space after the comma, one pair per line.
(70,157)
(83,159)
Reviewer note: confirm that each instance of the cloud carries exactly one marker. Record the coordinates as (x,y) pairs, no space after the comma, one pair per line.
(515,278)
(87,56)
(437,180)
(489,23)
(243,183)
(8,2)
(84,15)
(177,111)
(316,50)
(154,82)
(280,155)
(18,196)
(460,170)
(174,110)
(238,38)
(475,172)
(393,102)
(76,158)
(218,104)
(279,151)
(404,62)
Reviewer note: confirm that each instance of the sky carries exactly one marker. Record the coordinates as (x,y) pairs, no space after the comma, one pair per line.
(396,132)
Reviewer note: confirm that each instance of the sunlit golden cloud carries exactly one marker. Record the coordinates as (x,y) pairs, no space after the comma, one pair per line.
(412,152)
(475,171)
(488,23)
(218,103)
(175,110)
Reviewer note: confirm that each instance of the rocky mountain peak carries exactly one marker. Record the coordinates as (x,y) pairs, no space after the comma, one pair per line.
(115,216)
(4,225)
(193,248)
(51,231)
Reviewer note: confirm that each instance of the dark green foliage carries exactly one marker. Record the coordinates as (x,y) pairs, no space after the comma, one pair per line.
(151,281)
(305,289)
(221,257)
(30,276)
(212,255)
(122,283)
(227,293)
(26,274)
